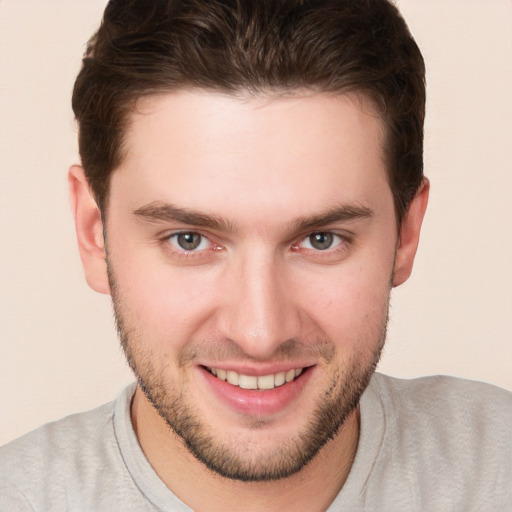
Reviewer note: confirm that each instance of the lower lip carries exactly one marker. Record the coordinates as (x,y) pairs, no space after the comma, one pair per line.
(257,402)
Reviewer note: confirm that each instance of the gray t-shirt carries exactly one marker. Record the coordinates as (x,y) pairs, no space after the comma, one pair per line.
(433,444)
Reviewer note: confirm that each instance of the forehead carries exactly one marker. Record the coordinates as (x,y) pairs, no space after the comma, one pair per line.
(216,152)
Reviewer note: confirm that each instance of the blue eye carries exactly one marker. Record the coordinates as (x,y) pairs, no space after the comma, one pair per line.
(321,241)
(189,241)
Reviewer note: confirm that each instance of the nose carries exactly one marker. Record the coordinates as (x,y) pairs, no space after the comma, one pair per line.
(259,310)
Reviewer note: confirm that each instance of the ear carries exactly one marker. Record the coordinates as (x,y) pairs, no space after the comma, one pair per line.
(410,234)
(89,230)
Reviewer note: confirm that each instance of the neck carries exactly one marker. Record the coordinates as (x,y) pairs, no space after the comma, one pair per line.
(312,489)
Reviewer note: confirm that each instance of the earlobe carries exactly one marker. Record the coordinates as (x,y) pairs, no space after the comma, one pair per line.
(410,234)
(89,230)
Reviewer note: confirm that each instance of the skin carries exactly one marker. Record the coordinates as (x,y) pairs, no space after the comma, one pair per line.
(261,174)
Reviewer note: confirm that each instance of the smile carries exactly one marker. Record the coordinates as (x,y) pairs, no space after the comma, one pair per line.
(262,382)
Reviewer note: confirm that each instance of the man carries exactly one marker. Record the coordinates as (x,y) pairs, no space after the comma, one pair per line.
(251,189)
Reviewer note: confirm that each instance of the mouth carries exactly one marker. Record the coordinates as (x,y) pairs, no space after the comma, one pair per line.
(259,395)
(262,382)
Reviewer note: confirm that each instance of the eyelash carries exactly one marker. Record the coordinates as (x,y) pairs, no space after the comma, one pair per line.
(192,253)
(324,234)
(343,241)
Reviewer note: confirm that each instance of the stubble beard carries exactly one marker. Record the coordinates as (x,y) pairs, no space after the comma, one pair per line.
(332,408)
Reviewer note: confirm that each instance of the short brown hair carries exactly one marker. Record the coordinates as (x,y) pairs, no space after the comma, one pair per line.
(145,47)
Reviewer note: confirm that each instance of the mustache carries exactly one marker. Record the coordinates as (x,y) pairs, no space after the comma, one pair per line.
(218,350)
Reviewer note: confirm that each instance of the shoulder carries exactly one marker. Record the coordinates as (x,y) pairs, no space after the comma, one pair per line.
(48,464)
(58,439)
(449,436)
(448,397)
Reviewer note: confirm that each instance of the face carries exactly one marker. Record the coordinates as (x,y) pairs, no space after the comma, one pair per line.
(251,249)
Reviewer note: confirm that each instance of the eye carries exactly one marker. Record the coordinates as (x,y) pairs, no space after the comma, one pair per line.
(321,241)
(189,241)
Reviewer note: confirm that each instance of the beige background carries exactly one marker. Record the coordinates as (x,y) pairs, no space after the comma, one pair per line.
(58,348)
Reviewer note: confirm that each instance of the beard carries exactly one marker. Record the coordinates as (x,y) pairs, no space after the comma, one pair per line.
(233,459)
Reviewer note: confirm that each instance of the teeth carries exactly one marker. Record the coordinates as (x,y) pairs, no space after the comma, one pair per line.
(279,379)
(266,382)
(232,378)
(252,382)
(248,382)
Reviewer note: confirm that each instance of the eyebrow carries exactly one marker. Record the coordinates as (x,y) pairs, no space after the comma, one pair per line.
(166,212)
(341,213)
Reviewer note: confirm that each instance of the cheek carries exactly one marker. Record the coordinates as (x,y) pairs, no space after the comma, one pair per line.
(351,306)
(162,303)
